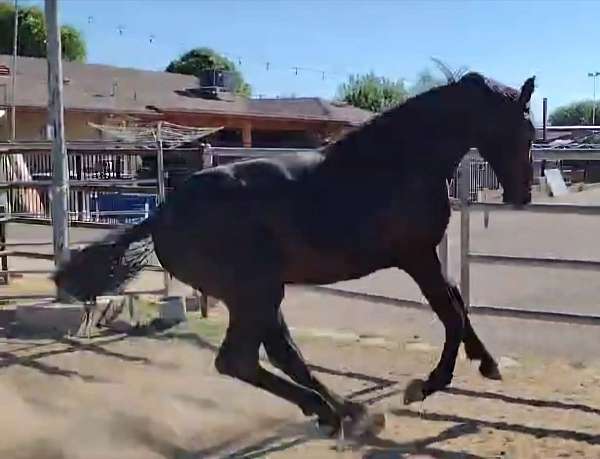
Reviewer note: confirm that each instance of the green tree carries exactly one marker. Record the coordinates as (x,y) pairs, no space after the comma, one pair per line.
(32,34)
(372,92)
(72,44)
(575,114)
(198,59)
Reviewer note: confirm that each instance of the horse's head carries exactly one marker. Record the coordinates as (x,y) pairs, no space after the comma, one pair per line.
(503,133)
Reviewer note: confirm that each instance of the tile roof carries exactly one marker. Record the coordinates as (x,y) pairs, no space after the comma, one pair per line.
(95,87)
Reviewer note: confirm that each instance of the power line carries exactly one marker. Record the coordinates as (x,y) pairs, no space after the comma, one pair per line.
(267,64)
(152,39)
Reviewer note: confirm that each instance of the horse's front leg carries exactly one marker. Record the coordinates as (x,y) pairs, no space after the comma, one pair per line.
(427,273)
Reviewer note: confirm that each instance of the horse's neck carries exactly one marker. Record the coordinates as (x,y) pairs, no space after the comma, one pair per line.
(427,135)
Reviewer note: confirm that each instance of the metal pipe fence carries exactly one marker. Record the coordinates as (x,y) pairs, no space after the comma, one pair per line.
(111,170)
(101,175)
(100,179)
(481,177)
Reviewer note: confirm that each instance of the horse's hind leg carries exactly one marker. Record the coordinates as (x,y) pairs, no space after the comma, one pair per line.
(474,348)
(250,316)
(285,355)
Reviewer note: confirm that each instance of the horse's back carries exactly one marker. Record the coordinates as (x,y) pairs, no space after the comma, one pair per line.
(217,227)
(261,174)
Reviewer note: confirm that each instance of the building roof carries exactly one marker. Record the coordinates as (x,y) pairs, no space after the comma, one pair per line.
(104,88)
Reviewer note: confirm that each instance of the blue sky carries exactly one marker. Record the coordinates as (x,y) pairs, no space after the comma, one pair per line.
(508,40)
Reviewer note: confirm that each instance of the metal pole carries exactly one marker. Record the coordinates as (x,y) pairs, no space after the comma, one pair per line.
(594,75)
(160,171)
(60,167)
(545,119)
(5,278)
(443,247)
(486,212)
(594,102)
(160,164)
(464,191)
(13,108)
(208,160)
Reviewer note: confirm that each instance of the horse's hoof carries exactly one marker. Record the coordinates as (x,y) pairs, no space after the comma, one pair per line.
(368,424)
(490,370)
(414,392)
(353,410)
(329,428)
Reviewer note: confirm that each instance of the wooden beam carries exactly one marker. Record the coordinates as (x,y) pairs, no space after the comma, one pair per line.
(247,134)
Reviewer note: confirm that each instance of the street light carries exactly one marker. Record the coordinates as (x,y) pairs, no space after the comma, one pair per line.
(594,75)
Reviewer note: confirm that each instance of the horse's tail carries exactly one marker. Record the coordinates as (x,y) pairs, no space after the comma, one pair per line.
(106,265)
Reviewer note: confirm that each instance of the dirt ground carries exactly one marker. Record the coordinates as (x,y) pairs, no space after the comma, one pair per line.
(158,396)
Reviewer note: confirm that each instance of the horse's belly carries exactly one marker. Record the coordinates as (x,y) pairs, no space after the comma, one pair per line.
(306,264)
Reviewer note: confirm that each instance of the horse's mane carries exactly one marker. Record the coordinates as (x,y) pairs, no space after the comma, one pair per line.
(391,120)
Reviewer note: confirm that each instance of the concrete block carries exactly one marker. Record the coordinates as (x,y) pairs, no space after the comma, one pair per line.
(172,309)
(51,317)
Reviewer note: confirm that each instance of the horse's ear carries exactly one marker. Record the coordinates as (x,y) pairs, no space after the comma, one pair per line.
(526,91)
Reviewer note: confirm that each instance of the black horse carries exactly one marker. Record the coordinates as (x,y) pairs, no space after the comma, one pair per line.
(375,199)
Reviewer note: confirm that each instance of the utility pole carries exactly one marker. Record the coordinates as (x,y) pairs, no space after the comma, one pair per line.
(60,171)
(594,75)
(13,80)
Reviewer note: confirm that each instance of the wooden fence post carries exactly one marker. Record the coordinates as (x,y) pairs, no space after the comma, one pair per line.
(464,192)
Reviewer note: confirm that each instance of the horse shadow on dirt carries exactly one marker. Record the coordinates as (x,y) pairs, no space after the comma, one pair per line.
(379,448)
(374,447)
(286,437)
(537,432)
(45,344)
(555,404)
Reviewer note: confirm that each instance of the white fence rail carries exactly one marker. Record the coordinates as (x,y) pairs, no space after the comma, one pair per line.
(467,257)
